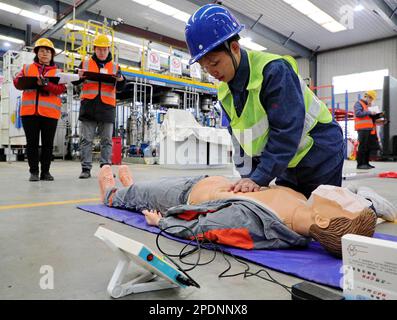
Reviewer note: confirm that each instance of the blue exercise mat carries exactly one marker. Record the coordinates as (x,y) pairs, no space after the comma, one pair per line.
(312,263)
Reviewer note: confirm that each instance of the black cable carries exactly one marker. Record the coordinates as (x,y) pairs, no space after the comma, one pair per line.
(203,244)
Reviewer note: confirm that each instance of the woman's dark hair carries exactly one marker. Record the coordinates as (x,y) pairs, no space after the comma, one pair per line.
(331,237)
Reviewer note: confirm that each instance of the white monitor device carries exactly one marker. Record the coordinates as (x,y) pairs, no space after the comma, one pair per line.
(156,273)
(370,268)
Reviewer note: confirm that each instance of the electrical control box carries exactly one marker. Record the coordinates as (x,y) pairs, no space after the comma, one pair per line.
(370,268)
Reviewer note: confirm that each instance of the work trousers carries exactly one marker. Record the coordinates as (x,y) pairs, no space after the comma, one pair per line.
(88,133)
(34,127)
(364,150)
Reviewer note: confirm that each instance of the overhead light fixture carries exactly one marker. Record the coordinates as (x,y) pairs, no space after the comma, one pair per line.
(26,13)
(11,39)
(8,8)
(316,14)
(36,16)
(165,9)
(249,44)
(359,7)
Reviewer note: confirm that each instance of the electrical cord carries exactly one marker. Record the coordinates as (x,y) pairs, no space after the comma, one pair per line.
(205,243)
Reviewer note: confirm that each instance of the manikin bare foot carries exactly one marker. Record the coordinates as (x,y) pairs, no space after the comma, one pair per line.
(152,217)
(125,176)
(106,180)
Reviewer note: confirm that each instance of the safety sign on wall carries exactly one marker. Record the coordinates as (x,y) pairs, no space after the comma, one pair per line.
(195,71)
(175,65)
(154,61)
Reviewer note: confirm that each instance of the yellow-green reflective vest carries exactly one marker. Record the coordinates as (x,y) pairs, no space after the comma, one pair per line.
(251,129)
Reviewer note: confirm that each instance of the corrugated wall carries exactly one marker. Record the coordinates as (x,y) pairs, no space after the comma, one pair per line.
(364,58)
(304,67)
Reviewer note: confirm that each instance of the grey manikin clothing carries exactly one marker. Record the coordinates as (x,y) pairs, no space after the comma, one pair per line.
(239,222)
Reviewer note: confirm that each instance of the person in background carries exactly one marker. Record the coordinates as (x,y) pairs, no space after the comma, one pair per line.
(365,125)
(279,128)
(40,109)
(98,104)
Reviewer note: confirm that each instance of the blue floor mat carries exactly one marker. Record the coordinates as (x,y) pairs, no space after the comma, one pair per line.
(312,263)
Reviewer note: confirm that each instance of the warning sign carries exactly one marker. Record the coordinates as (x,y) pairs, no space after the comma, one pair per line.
(154,62)
(175,65)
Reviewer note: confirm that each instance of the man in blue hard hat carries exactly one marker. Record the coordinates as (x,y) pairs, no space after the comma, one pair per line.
(279,128)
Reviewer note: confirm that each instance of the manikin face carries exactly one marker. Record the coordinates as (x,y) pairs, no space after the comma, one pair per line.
(220,65)
(101,53)
(44,55)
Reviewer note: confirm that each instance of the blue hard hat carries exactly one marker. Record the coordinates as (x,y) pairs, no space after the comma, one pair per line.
(208,28)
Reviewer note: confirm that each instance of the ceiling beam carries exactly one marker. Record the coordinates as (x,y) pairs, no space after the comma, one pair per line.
(265,32)
(81,7)
(21,35)
(385,12)
(62,8)
(149,35)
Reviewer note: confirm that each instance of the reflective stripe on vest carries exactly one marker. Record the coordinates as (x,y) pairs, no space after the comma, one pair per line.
(91,88)
(47,105)
(364,123)
(251,129)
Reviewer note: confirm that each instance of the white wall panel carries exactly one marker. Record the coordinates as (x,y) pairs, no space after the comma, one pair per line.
(364,58)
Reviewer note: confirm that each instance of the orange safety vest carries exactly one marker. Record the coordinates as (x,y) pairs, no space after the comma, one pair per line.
(48,106)
(91,89)
(365,122)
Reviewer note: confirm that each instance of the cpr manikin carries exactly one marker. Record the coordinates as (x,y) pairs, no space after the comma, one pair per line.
(275,217)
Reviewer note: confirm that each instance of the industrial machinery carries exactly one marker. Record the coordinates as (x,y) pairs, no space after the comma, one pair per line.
(12,136)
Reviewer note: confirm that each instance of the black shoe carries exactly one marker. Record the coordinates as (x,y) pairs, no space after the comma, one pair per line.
(34,177)
(371,166)
(46,177)
(364,167)
(85,174)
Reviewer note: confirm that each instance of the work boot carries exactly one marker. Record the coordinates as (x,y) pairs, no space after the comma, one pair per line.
(106,180)
(384,208)
(34,177)
(85,174)
(46,176)
(125,176)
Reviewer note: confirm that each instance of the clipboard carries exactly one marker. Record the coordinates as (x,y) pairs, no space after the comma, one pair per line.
(102,77)
(30,83)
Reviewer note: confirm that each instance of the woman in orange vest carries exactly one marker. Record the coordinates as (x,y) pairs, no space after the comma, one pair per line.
(98,104)
(40,109)
(364,125)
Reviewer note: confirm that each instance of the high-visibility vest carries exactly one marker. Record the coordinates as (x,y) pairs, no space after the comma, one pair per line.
(251,129)
(91,88)
(364,123)
(48,105)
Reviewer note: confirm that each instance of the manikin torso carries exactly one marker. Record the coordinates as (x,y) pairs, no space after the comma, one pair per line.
(290,206)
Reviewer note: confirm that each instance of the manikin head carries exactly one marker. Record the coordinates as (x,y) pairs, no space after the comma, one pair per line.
(329,234)
(327,221)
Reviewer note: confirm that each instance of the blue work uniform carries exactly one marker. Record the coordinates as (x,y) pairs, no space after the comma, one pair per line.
(282,99)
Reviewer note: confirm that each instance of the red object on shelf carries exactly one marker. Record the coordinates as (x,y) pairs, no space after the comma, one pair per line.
(116,151)
(340,115)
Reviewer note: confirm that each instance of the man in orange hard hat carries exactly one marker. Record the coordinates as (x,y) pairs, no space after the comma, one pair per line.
(366,128)
(98,104)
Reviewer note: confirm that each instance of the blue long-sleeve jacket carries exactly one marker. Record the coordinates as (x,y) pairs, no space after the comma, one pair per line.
(282,98)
